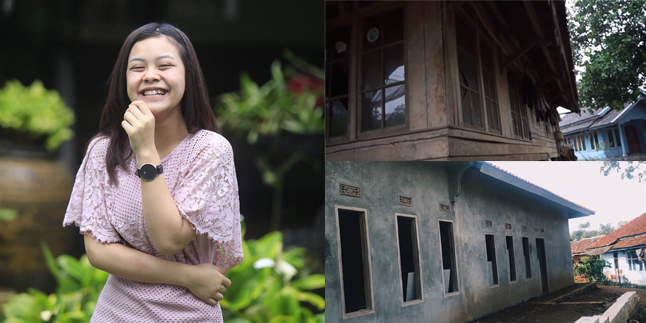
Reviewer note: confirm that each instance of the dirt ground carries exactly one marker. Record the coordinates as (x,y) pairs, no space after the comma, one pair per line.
(565,311)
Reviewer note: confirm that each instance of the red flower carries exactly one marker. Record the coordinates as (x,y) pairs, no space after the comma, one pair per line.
(302,82)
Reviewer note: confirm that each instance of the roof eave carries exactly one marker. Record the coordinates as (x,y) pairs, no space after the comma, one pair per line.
(574,210)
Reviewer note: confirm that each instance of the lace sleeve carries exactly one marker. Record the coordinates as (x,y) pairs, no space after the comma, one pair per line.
(207,196)
(87,207)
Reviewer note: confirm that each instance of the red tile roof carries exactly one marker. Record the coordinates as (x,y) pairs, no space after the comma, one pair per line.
(578,247)
(630,242)
(634,227)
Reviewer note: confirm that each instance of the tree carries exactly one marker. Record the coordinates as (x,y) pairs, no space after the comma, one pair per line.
(584,225)
(631,171)
(621,223)
(608,41)
(607,228)
(592,269)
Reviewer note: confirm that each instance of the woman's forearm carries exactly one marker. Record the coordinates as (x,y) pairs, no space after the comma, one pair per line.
(205,281)
(169,231)
(135,265)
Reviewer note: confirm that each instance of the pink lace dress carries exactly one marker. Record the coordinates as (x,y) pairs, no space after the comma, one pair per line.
(201,177)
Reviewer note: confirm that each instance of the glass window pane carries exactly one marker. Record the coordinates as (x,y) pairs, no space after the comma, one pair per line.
(337,8)
(371,111)
(339,78)
(476,111)
(468,70)
(371,66)
(372,32)
(338,117)
(617,138)
(394,26)
(466,105)
(395,105)
(489,85)
(337,43)
(465,34)
(486,54)
(492,116)
(394,64)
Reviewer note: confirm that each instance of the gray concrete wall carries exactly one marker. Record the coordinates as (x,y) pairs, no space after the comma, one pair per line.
(481,198)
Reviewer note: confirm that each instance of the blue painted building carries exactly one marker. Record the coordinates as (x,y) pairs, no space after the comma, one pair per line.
(607,133)
(439,242)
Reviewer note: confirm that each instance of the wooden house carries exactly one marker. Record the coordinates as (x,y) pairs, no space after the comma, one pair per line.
(446,80)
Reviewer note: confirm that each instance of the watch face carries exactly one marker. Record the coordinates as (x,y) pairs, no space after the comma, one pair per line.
(148,172)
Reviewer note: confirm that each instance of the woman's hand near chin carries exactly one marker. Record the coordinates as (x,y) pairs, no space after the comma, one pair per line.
(139,124)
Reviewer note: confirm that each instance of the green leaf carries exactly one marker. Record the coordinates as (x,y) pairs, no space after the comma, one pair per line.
(310,282)
(314,299)
(7,215)
(283,319)
(72,267)
(285,303)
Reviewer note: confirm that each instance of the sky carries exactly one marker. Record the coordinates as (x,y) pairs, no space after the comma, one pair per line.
(612,198)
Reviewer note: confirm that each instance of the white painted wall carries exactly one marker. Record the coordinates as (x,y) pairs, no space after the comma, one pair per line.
(634,276)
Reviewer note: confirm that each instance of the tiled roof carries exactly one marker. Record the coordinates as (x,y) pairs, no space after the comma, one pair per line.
(524,180)
(579,126)
(571,118)
(573,122)
(607,119)
(630,242)
(635,227)
(578,247)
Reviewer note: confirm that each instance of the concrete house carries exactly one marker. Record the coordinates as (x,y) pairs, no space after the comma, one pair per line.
(608,132)
(446,80)
(625,249)
(439,242)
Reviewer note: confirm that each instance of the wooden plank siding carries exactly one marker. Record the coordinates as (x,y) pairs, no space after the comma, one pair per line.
(434,128)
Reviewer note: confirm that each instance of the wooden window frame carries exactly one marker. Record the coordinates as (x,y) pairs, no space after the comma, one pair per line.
(355,19)
(480,36)
(365,241)
(513,77)
(455,258)
(418,261)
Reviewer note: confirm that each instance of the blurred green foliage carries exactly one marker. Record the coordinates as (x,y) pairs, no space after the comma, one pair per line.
(274,293)
(272,107)
(37,112)
(271,285)
(78,288)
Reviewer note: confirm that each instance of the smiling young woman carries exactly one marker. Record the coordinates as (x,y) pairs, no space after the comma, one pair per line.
(156,195)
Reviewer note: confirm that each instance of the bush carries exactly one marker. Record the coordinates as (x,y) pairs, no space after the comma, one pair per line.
(272,285)
(592,269)
(78,289)
(35,113)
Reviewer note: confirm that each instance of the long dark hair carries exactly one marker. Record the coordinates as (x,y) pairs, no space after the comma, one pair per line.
(195,105)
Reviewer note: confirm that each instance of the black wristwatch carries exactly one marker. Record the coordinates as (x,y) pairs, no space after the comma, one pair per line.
(148,172)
